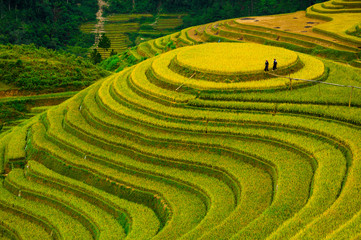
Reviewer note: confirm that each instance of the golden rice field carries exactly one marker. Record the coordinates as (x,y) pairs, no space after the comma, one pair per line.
(233,71)
(243,58)
(197,143)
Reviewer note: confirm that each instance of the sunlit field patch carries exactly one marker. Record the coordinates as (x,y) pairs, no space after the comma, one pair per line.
(218,73)
(233,58)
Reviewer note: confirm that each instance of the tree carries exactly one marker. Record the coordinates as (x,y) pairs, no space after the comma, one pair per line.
(95,57)
(104,42)
(112,53)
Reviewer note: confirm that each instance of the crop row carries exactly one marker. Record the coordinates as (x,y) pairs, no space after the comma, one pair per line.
(294,38)
(132,216)
(132,178)
(100,177)
(97,111)
(49,219)
(337,7)
(193,115)
(96,221)
(145,103)
(132,97)
(320,95)
(144,165)
(18,223)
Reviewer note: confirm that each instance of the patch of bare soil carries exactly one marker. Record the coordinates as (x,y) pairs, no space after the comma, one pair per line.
(193,34)
(293,22)
(99,26)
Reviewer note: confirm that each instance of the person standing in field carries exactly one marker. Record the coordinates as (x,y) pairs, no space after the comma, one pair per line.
(274,65)
(266,65)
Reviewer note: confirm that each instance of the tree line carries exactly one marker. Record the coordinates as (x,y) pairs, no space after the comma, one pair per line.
(203,11)
(48,23)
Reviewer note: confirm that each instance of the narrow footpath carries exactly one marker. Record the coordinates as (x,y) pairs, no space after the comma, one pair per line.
(99,26)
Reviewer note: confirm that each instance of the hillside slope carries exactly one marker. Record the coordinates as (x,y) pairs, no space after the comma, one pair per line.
(32,77)
(198,142)
(26,67)
(332,35)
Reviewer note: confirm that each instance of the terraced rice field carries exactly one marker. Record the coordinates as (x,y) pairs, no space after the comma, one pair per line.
(152,152)
(198,143)
(315,31)
(116,27)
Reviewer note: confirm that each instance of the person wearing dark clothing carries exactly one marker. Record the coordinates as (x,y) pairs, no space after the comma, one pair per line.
(266,65)
(274,64)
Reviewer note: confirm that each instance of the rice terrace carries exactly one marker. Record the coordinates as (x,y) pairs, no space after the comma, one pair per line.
(197,141)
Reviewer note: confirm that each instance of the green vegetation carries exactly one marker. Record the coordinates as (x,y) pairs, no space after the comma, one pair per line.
(27,67)
(202,164)
(202,11)
(14,110)
(104,42)
(51,24)
(128,30)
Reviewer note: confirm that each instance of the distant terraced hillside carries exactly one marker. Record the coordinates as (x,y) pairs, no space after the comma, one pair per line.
(177,147)
(118,27)
(198,142)
(318,31)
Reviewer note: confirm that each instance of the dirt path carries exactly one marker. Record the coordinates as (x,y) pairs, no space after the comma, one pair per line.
(99,26)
